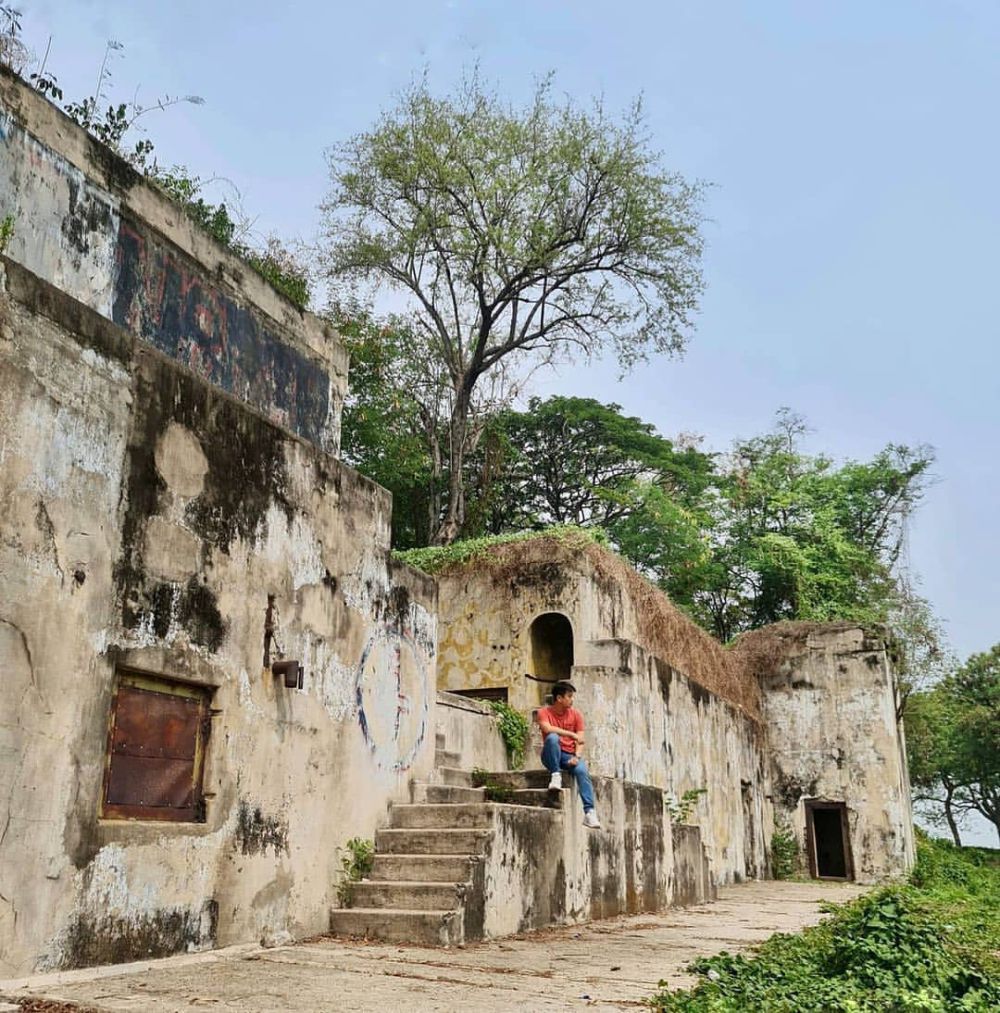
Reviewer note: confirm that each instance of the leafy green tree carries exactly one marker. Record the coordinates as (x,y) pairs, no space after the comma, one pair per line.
(796,537)
(975,689)
(390,428)
(515,236)
(932,750)
(571,460)
(953,742)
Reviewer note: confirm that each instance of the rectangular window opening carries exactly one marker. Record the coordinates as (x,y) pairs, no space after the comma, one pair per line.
(483,693)
(157,736)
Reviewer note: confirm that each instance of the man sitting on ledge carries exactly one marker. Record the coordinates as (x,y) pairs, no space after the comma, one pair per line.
(562,728)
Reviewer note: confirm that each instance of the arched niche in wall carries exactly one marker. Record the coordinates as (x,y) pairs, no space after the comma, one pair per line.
(551,650)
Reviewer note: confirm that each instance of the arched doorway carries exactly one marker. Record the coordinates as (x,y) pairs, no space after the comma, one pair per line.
(551,650)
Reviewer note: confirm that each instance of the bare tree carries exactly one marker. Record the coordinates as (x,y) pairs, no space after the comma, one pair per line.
(515,236)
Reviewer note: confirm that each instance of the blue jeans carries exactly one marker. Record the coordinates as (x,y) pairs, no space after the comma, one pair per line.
(554,759)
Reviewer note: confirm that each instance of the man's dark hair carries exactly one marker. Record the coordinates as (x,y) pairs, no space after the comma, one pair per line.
(561,689)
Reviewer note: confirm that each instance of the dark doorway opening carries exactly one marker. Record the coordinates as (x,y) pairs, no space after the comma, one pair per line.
(551,650)
(829,842)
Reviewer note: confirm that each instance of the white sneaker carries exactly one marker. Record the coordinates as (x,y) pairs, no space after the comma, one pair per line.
(555,781)
(590,820)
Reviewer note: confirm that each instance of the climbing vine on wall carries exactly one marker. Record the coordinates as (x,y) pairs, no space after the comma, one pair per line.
(514,729)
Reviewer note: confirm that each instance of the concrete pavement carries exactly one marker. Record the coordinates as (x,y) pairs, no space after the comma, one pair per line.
(607,965)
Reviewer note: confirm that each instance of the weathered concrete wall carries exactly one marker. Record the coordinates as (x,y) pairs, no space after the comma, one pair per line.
(693,882)
(489,605)
(647,721)
(650,724)
(831,715)
(470,729)
(87,223)
(543,867)
(164,422)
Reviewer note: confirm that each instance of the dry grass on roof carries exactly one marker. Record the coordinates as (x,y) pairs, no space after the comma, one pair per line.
(667,632)
(663,629)
(759,652)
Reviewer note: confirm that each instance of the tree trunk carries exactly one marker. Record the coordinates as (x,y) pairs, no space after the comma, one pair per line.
(458,426)
(950,816)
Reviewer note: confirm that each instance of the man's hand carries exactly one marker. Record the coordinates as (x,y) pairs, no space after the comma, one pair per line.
(572,761)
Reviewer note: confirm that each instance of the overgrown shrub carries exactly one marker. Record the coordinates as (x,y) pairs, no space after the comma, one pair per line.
(514,730)
(930,946)
(437,558)
(356,859)
(784,852)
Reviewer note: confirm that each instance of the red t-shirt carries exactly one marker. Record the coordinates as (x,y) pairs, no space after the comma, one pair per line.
(571,720)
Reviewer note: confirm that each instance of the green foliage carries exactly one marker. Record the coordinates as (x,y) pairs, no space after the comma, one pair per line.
(514,730)
(682,809)
(356,859)
(515,236)
(571,460)
(7,224)
(953,741)
(273,263)
(389,428)
(797,538)
(928,946)
(784,852)
(438,558)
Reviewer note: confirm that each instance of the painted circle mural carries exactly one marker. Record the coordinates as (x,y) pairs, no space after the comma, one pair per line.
(392,690)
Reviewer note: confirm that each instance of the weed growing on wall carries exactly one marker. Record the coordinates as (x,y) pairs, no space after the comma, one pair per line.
(930,945)
(6,232)
(784,852)
(514,730)
(114,123)
(356,859)
(682,809)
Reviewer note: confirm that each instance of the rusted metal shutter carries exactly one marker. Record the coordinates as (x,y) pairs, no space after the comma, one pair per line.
(155,751)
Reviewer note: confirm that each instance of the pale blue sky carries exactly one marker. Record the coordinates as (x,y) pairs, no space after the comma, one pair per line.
(854,152)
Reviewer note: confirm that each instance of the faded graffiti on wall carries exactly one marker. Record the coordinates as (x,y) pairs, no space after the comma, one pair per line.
(392,689)
(166,302)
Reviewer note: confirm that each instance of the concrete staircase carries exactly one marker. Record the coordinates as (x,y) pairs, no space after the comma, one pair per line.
(428,862)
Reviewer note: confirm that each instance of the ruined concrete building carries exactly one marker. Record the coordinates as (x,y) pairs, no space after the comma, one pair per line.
(215,675)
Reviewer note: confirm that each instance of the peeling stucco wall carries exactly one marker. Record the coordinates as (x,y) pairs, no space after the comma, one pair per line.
(165,428)
(828,728)
(831,715)
(647,722)
(87,223)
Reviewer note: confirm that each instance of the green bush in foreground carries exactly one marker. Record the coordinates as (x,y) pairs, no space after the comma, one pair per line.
(931,945)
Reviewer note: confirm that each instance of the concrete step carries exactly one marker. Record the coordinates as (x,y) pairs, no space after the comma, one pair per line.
(408,895)
(430,842)
(425,792)
(423,868)
(444,816)
(427,928)
(536,797)
(445,758)
(453,775)
(523,779)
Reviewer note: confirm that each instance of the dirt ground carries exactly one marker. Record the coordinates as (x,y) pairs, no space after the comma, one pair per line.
(607,965)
